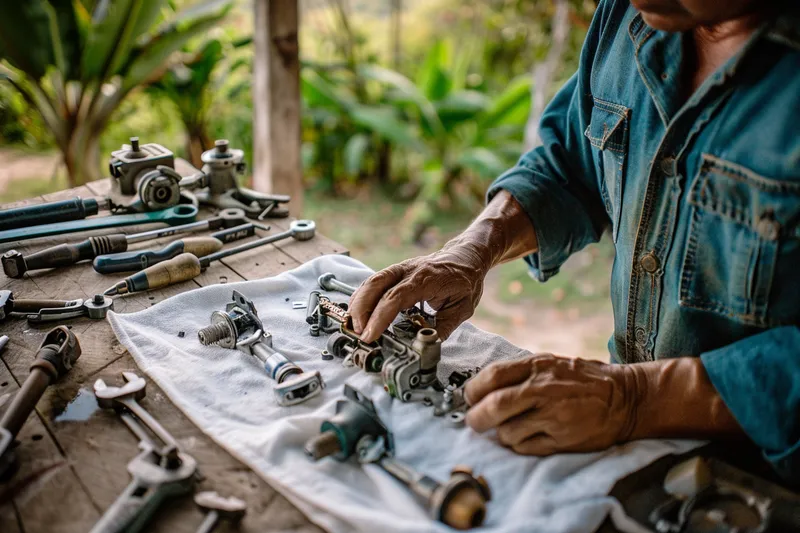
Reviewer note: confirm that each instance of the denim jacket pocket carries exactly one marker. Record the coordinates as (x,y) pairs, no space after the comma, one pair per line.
(608,132)
(742,249)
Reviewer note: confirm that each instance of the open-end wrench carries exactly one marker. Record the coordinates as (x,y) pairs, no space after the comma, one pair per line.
(15,264)
(158,472)
(54,358)
(39,311)
(218,508)
(173,216)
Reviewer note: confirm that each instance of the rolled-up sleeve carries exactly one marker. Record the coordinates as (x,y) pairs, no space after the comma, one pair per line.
(758,378)
(557,183)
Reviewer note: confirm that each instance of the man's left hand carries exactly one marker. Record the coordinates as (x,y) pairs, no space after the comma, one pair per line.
(544,404)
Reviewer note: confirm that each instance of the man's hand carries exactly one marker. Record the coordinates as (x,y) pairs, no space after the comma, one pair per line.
(450,280)
(545,404)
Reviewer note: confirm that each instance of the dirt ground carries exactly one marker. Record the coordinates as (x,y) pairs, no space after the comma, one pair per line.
(19,165)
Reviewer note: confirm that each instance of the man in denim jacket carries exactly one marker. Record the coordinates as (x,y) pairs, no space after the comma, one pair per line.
(681,133)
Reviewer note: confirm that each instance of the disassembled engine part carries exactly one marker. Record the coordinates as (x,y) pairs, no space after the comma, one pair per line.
(131,163)
(48,213)
(38,311)
(218,508)
(158,473)
(238,327)
(187,266)
(56,355)
(174,216)
(16,264)
(356,429)
(328,282)
(218,184)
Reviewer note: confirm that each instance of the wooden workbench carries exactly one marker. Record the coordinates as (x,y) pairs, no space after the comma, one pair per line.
(73,456)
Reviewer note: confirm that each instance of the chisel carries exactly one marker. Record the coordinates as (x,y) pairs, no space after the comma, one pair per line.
(187,266)
(15,264)
(198,246)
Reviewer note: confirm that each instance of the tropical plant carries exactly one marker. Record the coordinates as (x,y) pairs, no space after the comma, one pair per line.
(191,83)
(74,61)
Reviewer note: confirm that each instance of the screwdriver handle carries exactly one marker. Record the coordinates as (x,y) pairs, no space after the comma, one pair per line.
(181,268)
(16,264)
(141,259)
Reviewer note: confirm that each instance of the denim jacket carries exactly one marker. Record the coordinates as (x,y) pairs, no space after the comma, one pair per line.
(702,199)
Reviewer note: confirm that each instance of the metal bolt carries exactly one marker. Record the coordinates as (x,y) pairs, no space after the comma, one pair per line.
(134,144)
(329,282)
(98,299)
(215,333)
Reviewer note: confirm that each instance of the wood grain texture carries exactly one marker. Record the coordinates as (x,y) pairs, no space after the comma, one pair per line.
(73,469)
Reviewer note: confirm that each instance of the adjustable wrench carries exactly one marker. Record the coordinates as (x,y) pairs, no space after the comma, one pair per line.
(159,472)
(59,350)
(39,311)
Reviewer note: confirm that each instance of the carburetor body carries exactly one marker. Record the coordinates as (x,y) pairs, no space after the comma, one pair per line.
(144,170)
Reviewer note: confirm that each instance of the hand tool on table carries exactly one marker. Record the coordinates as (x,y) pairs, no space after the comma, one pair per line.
(56,355)
(218,508)
(219,181)
(238,327)
(356,429)
(38,311)
(15,264)
(159,472)
(173,216)
(328,282)
(48,213)
(197,246)
(187,266)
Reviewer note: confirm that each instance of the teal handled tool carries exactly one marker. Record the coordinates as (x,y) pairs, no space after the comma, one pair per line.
(197,246)
(52,212)
(179,214)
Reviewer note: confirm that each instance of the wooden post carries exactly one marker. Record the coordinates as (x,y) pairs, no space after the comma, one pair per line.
(276,101)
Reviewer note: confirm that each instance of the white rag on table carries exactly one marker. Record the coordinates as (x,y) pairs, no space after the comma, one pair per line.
(228,395)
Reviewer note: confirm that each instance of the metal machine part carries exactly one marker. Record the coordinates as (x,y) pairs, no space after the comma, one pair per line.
(131,163)
(174,216)
(218,508)
(328,282)
(56,355)
(48,213)
(161,471)
(239,327)
(38,311)
(356,429)
(187,266)
(217,184)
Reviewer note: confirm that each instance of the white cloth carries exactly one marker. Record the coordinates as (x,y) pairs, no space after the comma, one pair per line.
(229,396)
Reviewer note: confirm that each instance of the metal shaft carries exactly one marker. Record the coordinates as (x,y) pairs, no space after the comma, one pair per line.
(166,232)
(152,424)
(420,484)
(209,523)
(275,363)
(207,260)
(25,400)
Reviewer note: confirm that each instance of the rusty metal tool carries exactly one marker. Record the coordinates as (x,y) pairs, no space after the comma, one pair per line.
(328,282)
(197,246)
(160,472)
(15,264)
(217,509)
(238,327)
(356,430)
(187,266)
(39,311)
(56,355)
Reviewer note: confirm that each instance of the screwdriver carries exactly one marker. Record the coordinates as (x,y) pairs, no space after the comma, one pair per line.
(187,266)
(15,264)
(198,246)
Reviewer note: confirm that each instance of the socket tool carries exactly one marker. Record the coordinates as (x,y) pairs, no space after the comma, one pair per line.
(15,264)
(187,266)
(238,327)
(217,509)
(38,311)
(356,429)
(160,472)
(218,184)
(197,246)
(48,213)
(56,355)
(173,216)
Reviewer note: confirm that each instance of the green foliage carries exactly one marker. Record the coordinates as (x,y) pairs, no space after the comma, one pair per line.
(75,61)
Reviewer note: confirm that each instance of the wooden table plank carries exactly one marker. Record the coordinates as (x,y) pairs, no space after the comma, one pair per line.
(92,451)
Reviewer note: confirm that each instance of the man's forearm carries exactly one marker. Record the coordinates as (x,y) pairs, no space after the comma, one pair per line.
(675,398)
(502,232)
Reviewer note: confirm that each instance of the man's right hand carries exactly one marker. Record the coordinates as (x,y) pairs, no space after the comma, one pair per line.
(450,280)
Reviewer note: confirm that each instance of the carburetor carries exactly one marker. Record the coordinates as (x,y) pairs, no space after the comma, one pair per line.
(147,171)
(238,327)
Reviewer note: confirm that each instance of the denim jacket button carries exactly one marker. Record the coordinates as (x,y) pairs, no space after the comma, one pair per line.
(641,336)
(668,166)
(649,262)
(768,228)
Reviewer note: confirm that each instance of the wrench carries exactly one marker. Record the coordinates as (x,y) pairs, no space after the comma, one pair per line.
(218,508)
(179,214)
(158,472)
(59,350)
(39,311)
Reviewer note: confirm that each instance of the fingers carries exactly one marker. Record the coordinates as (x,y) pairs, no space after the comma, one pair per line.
(499,406)
(401,296)
(370,293)
(497,376)
(541,445)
